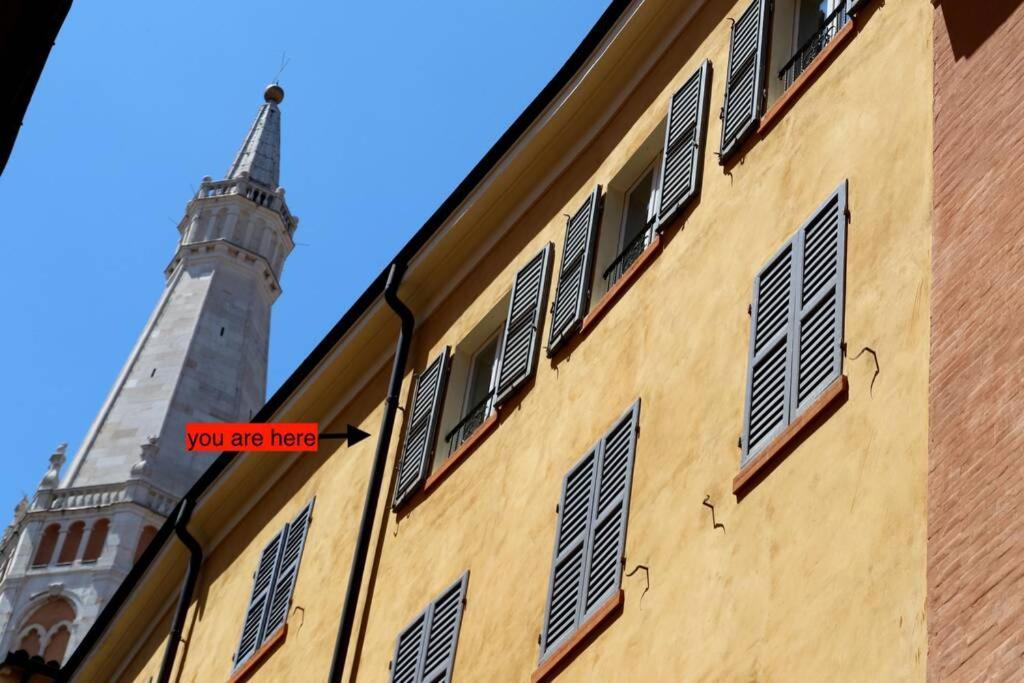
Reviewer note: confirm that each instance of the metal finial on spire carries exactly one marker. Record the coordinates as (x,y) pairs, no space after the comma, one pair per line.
(273,93)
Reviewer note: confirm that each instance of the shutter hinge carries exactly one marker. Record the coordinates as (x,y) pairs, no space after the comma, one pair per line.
(538,639)
(556,508)
(739,441)
(750,309)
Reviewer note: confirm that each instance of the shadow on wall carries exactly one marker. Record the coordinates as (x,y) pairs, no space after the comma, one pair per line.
(969,26)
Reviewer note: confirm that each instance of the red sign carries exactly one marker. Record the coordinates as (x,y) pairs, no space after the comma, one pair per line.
(246,436)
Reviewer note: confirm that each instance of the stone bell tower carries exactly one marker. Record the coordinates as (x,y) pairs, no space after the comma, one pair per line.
(202,357)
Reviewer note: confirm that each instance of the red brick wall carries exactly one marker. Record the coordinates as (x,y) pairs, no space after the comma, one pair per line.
(976,469)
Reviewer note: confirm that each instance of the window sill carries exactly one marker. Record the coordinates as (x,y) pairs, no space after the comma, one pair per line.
(268,646)
(783,444)
(623,283)
(460,454)
(804,80)
(584,634)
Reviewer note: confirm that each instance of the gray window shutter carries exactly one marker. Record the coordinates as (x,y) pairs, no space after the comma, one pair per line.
(685,132)
(563,612)
(610,511)
(284,585)
(407,663)
(262,587)
(518,359)
(445,617)
(768,400)
(574,276)
(428,397)
(819,324)
(744,86)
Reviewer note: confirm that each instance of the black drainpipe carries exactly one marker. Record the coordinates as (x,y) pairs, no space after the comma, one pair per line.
(387,423)
(195,562)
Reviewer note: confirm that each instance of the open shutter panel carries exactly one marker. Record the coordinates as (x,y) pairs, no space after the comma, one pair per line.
(422,431)
(768,382)
(854,6)
(443,633)
(564,610)
(284,585)
(574,276)
(519,347)
(610,511)
(259,599)
(683,157)
(407,664)
(819,323)
(744,87)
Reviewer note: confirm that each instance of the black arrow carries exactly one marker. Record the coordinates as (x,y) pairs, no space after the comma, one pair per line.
(352,435)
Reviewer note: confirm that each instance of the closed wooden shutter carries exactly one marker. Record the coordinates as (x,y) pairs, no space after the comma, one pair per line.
(425,649)
(407,662)
(820,305)
(591,534)
(768,386)
(685,133)
(254,626)
(796,331)
(421,434)
(564,609)
(518,359)
(445,618)
(744,86)
(284,586)
(610,511)
(575,274)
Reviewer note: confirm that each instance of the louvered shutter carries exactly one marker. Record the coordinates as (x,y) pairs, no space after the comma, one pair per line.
(768,377)
(819,323)
(421,433)
(445,617)
(744,86)
(610,511)
(407,663)
(564,609)
(518,359)
(685,131)
(574,276)
(284,585)
(262,588)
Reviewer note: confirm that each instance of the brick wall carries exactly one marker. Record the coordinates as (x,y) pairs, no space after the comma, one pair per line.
(976,469)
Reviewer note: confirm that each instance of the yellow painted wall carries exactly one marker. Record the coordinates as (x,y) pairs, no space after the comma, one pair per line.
(820,570)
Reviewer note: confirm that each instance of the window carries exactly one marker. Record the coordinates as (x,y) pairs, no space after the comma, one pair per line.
(73,538)
(797,31)
(590,537)
(796,330)
(47,546)
(47,630)
(512,363)
(425,649)
(272,587)
(644,197)
(97,539)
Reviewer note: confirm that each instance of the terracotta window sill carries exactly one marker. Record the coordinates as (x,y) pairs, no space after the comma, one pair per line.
(804,80)
(622,284)
(781,445)
(460,454)
(584,634)
(268,646)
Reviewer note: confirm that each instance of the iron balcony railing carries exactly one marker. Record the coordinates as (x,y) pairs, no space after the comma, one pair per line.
(630,253)
(814,45)
(473,418)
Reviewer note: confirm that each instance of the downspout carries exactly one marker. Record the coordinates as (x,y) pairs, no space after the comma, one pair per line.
(355,576)
(195,562)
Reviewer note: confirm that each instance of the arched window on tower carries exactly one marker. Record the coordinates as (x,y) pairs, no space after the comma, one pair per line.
(47,544)
(73,539)
(97,539)
(145,537)
(47,630)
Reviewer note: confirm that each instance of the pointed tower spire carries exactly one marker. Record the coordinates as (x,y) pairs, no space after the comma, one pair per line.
(260,155)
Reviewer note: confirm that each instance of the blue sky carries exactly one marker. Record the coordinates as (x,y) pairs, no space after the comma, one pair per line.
(388,106)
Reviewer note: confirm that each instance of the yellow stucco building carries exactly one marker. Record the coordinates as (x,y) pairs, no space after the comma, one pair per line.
(663,411)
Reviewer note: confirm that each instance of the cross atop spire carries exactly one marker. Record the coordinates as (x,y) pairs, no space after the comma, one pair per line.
(260,154)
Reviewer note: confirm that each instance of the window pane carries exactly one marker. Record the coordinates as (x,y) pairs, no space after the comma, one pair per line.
(636,208)
(480,375)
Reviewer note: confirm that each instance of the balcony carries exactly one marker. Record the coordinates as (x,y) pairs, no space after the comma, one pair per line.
(628,256)
(814,45)
(469,423)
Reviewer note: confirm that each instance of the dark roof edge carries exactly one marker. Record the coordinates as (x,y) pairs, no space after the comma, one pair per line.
(504,143)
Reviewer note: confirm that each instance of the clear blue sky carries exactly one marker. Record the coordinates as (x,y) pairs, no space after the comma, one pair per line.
(388,106)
